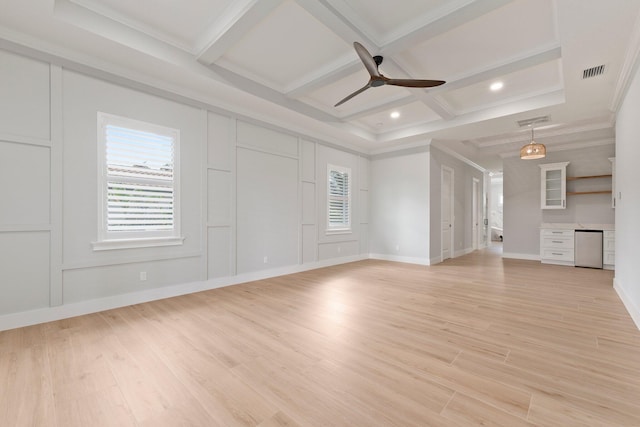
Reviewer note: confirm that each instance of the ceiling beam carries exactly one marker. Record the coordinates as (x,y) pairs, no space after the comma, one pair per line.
(342,67)
(437,105)
(234,23)
(392,103)
(269,94)
(343,23)
(450,17)
(332,72)
(324,12)
(532,103)
(521,62)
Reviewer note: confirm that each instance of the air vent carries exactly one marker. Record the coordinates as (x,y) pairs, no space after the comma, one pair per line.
(529,122)
(592,72)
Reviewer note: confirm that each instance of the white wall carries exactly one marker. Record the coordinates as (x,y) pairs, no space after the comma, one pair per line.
(400,206)
(521,187)
(627,212)
(253,198)
(89,274)
(27,141)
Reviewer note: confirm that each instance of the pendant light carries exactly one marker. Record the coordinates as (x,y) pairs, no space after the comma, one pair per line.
(533,150)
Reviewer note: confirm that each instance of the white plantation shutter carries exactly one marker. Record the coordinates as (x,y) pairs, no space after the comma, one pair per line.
(339,197)
(139,181)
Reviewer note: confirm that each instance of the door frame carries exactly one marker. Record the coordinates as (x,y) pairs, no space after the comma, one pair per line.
(444,169)
(475,214)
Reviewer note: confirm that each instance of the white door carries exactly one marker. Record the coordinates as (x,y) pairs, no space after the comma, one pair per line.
(447,212)
(474,214)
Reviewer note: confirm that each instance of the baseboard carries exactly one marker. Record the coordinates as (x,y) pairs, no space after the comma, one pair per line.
(435,260)
(633,310)
(529,257)
(462,252)
(405,259)
(49,314)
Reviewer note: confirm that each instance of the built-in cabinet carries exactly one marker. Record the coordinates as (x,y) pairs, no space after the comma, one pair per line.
(553,185)
(554,180)
(557,243)
(557,246)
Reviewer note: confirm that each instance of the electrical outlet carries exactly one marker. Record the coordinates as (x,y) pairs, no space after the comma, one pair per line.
(339,249)
(266,259)
(397,248)
(143,276)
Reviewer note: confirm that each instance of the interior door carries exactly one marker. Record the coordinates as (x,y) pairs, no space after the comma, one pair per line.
(474,214)
(447,212)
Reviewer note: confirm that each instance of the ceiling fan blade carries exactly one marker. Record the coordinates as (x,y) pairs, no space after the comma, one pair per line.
(359,91)
(414,83)
(367,59)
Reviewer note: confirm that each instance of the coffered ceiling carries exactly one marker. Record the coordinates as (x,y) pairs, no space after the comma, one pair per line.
(290,61)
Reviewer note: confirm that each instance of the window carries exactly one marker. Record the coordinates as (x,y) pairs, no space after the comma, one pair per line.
(338,199)
(138,179)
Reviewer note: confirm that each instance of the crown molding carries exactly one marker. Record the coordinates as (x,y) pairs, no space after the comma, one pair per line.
(631,64)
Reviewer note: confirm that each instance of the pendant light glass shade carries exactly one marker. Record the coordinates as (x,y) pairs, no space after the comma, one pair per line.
(533,150)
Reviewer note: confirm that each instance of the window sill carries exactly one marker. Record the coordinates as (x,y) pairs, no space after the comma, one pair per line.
(338,231)
(107,245)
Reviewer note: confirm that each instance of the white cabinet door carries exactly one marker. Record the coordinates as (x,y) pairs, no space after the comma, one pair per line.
(553,185)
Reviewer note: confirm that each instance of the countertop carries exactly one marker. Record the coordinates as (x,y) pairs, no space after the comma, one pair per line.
(577,226)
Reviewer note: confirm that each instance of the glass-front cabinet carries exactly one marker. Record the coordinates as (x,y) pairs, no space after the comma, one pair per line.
(553,185)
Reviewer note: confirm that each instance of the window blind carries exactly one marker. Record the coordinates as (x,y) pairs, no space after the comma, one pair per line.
(339,199)
(140,180)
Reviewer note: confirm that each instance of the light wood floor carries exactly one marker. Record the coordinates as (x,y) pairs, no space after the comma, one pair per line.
(474,340)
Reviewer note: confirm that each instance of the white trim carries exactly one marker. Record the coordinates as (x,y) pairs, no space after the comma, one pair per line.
(530,257)
(476,211)
(342,228)
(14,228)
(633,310)
(150,242)
(26,140)
(452,195)
(461,158)
(462,252)
(108,240)
(631,62)
(568,146)
(405,259)
(332,231)
(435,260)
(120,260)
(50,314)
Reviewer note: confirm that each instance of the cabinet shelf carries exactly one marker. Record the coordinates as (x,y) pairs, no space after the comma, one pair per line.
(574,193)
(575,178)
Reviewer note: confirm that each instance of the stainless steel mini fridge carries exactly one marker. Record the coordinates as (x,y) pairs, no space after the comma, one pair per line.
(588,248)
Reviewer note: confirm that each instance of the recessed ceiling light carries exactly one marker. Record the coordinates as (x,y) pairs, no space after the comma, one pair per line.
(394,115)
(496,86)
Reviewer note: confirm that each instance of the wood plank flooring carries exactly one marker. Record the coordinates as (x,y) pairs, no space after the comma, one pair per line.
(477,340)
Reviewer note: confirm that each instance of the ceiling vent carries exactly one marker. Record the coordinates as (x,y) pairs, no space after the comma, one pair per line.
(534,120)
(592,72)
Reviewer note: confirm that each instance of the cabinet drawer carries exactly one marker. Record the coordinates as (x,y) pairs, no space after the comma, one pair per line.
(557,254)
(559,242)
(557,233)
